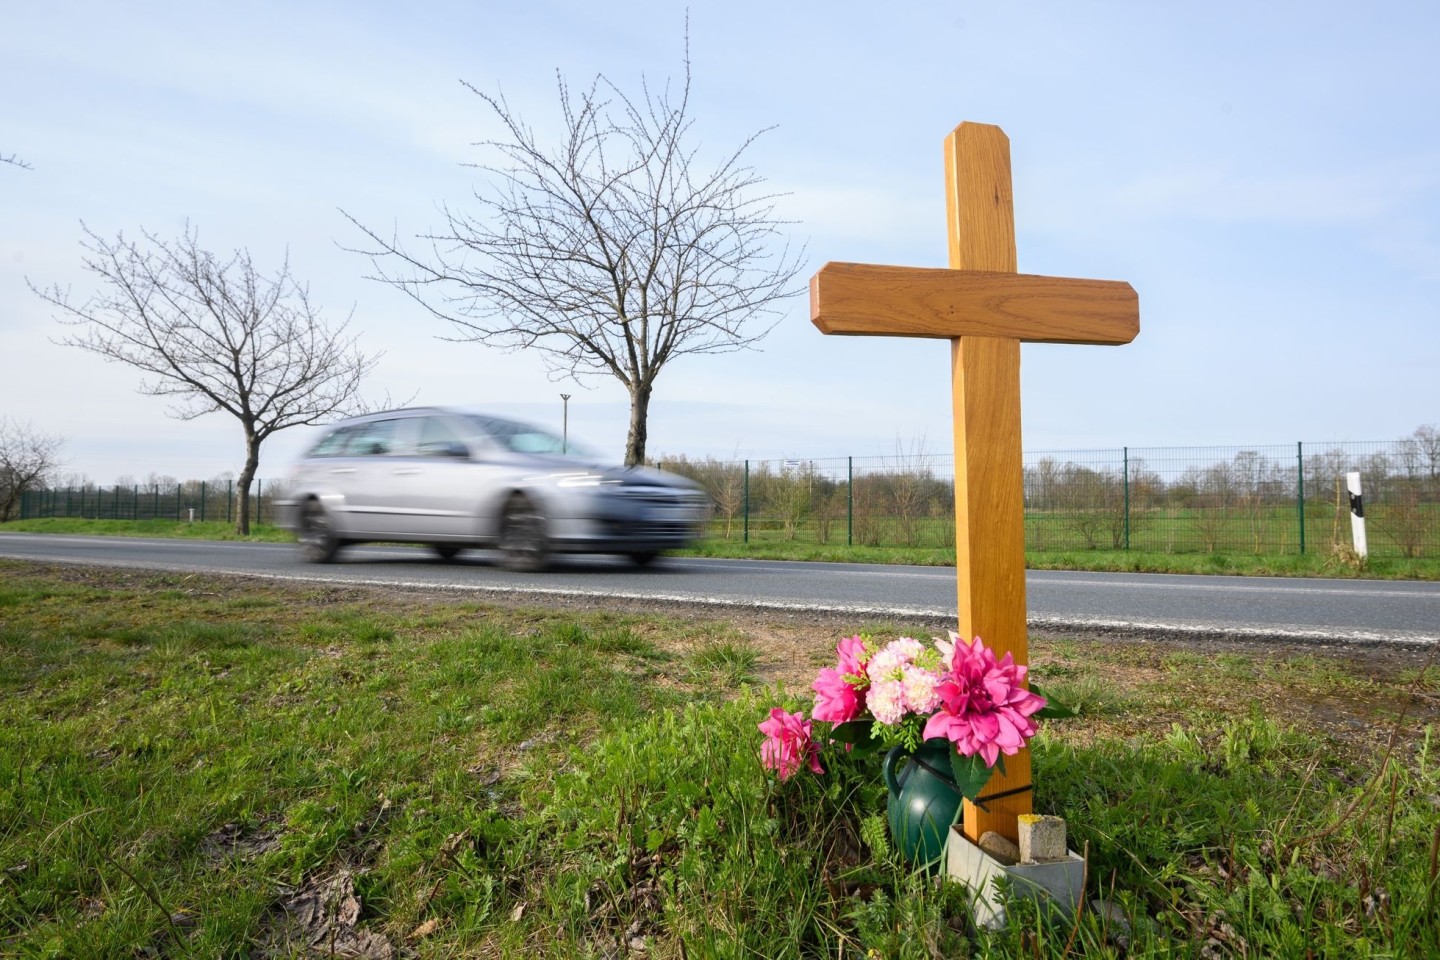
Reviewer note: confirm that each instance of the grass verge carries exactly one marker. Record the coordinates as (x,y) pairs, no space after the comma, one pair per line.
(198,530)
(1320,564)
(195,766)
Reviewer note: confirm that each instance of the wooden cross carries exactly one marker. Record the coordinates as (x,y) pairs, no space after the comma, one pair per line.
(985,309)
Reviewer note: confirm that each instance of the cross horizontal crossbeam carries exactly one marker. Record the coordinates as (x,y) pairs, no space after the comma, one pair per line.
(874,300)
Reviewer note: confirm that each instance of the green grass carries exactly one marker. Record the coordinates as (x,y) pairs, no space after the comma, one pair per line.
(191,768)
(198,530)
(1119,561)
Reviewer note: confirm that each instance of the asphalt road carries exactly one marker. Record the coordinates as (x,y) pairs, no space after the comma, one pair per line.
(1353,611)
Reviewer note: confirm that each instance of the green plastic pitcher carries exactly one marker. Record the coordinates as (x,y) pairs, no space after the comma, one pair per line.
(924,800)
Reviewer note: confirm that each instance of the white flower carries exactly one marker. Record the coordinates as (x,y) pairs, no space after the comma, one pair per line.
(893,658)
(920,689)
(886,701)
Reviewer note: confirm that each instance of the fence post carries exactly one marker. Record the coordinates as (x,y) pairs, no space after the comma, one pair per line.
(1300,489)
(745,526)
(1125,468)
(850,501)
(202,501)
(259,500)
(229,500)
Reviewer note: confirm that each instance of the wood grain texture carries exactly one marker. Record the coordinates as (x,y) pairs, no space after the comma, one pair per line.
(989,465)
(979,201)
(872,300)
(990,534)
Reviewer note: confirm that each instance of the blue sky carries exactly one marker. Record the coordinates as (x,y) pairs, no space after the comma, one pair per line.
(1267,176)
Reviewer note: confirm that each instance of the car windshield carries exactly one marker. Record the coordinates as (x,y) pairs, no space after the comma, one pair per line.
(525,438)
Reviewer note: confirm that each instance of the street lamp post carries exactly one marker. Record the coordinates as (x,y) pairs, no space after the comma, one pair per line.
(565,425)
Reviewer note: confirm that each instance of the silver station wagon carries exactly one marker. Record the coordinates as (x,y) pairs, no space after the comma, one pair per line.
(454,480)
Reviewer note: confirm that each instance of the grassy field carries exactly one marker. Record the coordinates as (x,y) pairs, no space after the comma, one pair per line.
(1395,530)
(210,767)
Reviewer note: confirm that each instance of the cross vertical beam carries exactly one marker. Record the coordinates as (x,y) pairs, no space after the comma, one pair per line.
(989,468)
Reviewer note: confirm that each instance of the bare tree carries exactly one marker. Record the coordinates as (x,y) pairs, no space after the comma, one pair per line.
(612,251)
(790,494)
(14,161)
(1427,439)
(27,461)
(216,335)
(910,484)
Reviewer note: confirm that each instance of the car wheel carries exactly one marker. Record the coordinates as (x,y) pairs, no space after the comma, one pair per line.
(318,543)
(445,551)
(643,558)
(524,545)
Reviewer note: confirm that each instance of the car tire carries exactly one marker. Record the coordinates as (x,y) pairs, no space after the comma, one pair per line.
(524,544)
(643,558)
(318,542)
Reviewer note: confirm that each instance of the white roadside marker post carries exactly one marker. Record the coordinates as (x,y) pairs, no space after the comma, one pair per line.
(1357,515)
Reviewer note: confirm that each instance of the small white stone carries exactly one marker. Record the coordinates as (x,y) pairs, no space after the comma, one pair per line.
(999,846)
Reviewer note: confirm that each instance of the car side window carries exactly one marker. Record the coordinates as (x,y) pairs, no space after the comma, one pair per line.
(437,439)
(332,445)
(374,439)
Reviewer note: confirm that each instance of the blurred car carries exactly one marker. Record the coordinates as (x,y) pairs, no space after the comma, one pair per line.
(453,480)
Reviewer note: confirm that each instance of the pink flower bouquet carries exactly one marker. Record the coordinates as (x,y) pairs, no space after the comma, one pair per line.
(905,692)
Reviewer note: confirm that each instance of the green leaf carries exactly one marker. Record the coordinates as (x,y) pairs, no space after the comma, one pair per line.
(971,774)
(1051,710)
(859,733)
(875,832)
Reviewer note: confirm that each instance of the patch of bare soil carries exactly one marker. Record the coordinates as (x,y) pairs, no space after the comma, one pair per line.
(322,918)
(236,842)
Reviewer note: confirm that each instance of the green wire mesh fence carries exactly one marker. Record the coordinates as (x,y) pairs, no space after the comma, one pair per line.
(1266,500)
(190,501)
(1256,499)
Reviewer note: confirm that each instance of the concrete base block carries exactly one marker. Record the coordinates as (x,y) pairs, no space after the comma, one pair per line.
(1060,881)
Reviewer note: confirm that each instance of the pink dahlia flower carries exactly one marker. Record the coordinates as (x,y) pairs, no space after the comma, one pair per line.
(836,699)
(984,707)
(853,656)
(789,744)
(840,690)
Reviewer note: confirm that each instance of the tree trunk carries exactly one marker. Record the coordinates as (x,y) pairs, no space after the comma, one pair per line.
(247,474)
(639,411)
